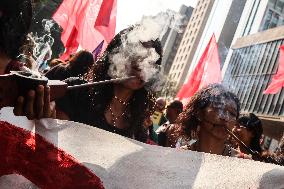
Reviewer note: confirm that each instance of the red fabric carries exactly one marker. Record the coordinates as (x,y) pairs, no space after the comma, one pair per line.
(277,81)
(31,156)
(207,71)
(71,45)
(151,142)
(106,20)
(86,23)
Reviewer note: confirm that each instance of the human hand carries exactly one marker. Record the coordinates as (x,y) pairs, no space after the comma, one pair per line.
(36,105)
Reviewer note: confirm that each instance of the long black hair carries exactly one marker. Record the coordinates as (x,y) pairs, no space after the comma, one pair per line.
(142,102)
(253,124)
(202,99)
(15,20)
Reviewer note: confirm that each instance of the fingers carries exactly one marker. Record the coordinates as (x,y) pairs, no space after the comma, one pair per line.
(46,108)
(36,105)
(18,109)
(29,106)
(40,102)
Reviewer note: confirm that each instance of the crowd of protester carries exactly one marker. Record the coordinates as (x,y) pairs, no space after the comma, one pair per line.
(210,122)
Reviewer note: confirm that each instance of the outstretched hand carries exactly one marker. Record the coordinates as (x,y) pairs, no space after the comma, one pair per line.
(36,105)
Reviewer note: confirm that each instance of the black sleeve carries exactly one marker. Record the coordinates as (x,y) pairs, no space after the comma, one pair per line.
(74,101)
(162,138)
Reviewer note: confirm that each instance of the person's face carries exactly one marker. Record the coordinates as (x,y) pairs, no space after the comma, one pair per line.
(243,134)
(216,117)
(160,105)
(171,114)
(137,82)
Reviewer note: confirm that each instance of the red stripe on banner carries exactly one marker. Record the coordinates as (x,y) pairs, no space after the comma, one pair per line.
(30,155)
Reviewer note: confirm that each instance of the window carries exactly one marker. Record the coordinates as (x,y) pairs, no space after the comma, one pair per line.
(188,48)
(274,20)
(279,5)
(185,57)
(185,34)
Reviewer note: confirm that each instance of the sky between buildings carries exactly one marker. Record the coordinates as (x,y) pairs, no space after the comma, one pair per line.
(131,11)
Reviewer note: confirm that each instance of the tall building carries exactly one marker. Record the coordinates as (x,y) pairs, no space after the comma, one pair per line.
(190,41)
(253,60)
(213,16)
(171,43)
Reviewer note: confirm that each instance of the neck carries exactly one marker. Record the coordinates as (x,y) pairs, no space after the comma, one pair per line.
(210,144)
(4,61)
(122,93)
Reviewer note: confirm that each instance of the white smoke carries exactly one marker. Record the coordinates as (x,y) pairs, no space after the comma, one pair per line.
(132,50)
(42,51)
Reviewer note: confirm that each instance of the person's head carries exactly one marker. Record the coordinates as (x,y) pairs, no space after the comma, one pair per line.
(123,58)
(81,62)
(211,109)
(160,104)
(173,110)
(55,62)
(15,20)
(250,130)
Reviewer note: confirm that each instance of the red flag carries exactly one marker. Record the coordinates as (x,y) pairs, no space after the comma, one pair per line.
(207,71)
(106,19)
(86,23)
(278,79)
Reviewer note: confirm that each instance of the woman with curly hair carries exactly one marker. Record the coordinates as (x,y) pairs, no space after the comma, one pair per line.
(249,130)
(205,119)
(117,107)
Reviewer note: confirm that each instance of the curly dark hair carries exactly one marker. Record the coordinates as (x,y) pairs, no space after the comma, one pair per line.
(15,20)
(142,98)
(80,63)
(253,124)
(213,93)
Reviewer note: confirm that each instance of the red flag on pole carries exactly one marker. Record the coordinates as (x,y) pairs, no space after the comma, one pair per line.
(106,20)
(86,23)
(207,71)
(277,81)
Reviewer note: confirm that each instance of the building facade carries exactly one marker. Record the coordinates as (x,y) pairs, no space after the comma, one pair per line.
(253,60)
(190,41)
(221,19)
(171,43)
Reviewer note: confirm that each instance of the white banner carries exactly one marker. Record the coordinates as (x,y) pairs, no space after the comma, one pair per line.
(124,163)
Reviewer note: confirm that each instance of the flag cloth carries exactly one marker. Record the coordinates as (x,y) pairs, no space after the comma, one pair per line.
(117,161)
(86,23)
(207,71)
(97,51)
(277,81)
